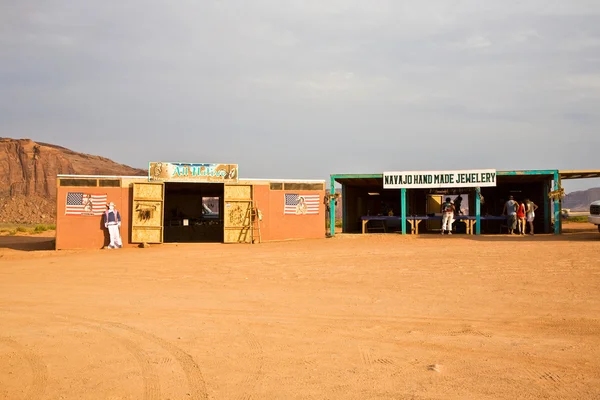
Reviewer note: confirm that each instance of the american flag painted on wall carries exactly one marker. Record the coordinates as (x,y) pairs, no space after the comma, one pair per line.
(300,204)
(85,204)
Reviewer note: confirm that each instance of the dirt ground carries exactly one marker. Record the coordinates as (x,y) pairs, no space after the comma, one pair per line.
(352,317)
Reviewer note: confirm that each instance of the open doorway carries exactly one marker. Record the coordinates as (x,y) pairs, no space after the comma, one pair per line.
(436,198)
(193,212)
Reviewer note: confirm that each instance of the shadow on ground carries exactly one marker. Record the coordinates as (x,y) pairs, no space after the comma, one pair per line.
(27,243)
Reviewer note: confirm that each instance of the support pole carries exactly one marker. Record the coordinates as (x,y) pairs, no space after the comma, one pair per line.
(557,206)
(332,209)
(403,208)
(477,211)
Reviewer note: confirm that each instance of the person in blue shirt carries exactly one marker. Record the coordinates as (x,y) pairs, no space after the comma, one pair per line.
(112,221)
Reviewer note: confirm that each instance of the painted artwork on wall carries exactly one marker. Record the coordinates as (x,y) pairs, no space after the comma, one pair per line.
(301,204)
(186,172)
(79,203)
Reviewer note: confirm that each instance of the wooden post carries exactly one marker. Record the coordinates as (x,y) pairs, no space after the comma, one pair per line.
(403,208)
(332,209)
(557,206)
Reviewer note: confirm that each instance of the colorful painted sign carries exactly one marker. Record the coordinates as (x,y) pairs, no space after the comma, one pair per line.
(439,179)
(301,204)
(79,203)
(184,172)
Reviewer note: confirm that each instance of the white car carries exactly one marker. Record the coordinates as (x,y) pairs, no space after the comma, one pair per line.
(594,216)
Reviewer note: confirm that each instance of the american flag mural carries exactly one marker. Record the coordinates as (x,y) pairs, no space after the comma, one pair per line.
(301,204)
(79,203)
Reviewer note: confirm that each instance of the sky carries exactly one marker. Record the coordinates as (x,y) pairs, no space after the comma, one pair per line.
(305,89)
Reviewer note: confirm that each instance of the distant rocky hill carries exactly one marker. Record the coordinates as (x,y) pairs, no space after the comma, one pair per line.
(580,200)
(28,173)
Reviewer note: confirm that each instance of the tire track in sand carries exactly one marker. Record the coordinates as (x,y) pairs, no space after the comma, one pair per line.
(197,386)
(193,373)
(252,380)
(149,375)
(38,368)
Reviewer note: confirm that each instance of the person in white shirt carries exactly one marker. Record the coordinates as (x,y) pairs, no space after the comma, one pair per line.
(530,208)
(447,216)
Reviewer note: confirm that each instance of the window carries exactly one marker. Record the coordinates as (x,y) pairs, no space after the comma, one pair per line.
(304,186)
(109,183)
(79,182)
(276,186)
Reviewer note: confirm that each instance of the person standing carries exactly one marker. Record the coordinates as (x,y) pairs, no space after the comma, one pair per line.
(458,205)
(530,208)
(510,210)
(447,216)
(521,218)
(112,221)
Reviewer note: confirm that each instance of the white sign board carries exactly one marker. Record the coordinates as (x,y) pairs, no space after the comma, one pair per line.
(439,179)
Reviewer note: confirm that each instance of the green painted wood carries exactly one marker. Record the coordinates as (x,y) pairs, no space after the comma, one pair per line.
(356,176)
(527,172)
(557,206)
(332,209)
(403,208)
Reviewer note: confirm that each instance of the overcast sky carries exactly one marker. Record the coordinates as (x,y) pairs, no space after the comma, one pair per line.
(305,89)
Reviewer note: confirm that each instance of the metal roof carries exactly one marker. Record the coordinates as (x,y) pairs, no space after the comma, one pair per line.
(579,174)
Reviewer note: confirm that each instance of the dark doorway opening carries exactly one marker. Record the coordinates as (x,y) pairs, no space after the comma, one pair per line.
(193,212)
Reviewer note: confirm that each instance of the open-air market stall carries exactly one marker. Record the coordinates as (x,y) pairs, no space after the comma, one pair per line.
(410,201)
(183,202)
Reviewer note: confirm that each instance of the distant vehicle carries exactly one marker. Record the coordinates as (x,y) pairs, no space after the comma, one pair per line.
(208,213)
(594,216)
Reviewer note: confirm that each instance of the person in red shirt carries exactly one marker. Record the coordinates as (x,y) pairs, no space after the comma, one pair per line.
(521,218)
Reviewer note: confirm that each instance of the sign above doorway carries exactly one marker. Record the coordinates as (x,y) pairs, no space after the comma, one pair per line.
(439,179)
(187,172)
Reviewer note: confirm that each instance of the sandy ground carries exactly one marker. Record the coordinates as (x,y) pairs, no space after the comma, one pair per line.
(352,317)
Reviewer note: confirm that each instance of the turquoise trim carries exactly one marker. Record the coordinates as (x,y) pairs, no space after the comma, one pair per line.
(332,209)
(528,172)
(356,176)
(477,211)
(557,206)
(403,208)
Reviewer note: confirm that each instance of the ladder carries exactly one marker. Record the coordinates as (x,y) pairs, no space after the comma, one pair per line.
(256,217)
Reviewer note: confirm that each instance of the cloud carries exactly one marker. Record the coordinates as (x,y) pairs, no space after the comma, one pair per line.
(475,42)
(165,78)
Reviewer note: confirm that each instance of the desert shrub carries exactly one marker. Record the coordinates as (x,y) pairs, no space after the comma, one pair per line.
(21,229)
(40,228)
(579,218)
